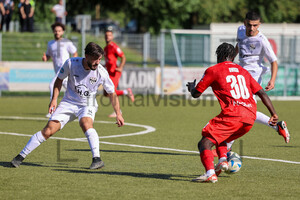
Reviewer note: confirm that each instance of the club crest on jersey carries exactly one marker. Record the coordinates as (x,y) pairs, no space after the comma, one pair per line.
(252,46)
(61,70)
(93,80)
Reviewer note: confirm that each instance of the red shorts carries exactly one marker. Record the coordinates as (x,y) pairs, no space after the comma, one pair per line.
(219,130)
(115,77)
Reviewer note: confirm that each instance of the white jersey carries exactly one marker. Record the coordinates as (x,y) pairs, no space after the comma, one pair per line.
(59,10)
(252,51)
(83,84)
(60,51)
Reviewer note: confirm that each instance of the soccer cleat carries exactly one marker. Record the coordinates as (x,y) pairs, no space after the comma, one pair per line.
(97,163)
(204,179)
(130,94)
(221,167)
(283,131)
(16,162)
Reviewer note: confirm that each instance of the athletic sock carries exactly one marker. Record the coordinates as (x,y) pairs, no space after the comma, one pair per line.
(33,143)
(222,150)
(207,159)
(93,139)
(264,119)
(125,92)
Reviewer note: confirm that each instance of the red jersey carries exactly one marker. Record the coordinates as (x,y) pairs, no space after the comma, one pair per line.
(234,87)
(112,52)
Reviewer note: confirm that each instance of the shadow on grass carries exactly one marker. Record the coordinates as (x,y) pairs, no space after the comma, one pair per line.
(173,177)
(285,146)
(138,152)
(8,164)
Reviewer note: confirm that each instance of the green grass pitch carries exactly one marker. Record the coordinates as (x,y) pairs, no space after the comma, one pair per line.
(58,169)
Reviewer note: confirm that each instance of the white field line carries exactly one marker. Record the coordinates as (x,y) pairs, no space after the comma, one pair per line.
(149,129)
(148,147)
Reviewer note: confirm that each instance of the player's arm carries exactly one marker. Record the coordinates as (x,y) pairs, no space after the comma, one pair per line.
(268,103)
(191,88)
(274,70)
(75,54)
(236,50)
(31,12)
(120,67)
(2,8)
(56,90)
(115,104)
(23,12)
(45,57)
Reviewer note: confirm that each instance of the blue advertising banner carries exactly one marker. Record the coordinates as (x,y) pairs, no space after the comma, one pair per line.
(31,75)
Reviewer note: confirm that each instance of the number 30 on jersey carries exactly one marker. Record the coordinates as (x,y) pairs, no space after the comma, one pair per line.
(238,86)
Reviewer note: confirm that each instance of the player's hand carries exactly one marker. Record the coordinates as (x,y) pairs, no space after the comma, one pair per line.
(44,58)
(273,120)
(120,120)
(119,69)
(270,86)
(191,85)
(52,106)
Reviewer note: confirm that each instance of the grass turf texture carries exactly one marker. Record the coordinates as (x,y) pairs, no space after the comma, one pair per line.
(141,173)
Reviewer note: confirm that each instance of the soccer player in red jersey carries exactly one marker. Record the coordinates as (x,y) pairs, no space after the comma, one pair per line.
(234,87)
(112,51)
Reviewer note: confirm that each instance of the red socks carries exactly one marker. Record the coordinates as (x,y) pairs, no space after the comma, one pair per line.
(207,159)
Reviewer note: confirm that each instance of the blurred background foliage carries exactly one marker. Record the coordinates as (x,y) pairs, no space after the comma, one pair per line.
(151,16)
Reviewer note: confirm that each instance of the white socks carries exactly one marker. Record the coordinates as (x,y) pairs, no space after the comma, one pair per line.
(264,119)
(33,143)
(125,92)
(93,140)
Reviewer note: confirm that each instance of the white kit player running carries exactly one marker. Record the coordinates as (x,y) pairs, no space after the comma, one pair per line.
(85,75)
(59,50)
(253,47)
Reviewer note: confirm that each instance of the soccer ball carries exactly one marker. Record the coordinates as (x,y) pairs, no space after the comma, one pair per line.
(234,162)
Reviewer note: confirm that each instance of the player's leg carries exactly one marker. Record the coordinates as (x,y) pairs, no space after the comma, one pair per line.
(207,159)
(222,154)
(36,140)
(62,115)
(86,119)
(261,118)
(128,92)
(281,126)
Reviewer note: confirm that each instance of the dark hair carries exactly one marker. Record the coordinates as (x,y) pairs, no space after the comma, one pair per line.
(57,24)
(225,52)
(251,15)
(93,49)
(109,29)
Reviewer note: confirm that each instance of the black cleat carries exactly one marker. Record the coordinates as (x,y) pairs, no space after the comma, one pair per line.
(97,163)
(16,162)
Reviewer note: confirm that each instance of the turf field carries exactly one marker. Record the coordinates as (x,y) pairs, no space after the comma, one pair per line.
(157,160)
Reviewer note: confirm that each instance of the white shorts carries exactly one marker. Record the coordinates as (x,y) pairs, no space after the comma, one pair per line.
(257,72)
(67,112)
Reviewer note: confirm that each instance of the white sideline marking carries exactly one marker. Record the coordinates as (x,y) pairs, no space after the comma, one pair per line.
(149,129)
(148,147)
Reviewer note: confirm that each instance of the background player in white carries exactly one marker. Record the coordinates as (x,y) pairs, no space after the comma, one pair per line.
(252,47)
(85,75)
(59,50)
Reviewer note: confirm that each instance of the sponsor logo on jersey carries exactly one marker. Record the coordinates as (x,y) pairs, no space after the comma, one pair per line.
(93,80)
(82,90)
(233,70)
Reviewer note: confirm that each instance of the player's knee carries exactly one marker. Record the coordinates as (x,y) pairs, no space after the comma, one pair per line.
(205,144)
(50,129)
